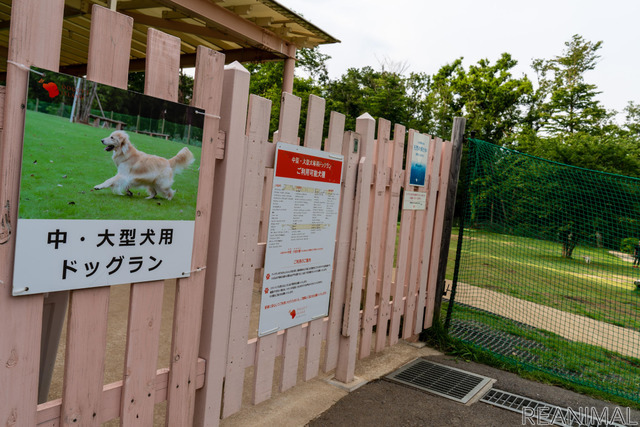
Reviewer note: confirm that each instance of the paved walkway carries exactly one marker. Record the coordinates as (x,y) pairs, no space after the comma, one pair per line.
(570,326)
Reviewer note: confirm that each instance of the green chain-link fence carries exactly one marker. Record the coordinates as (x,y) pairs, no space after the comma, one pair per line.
(546,274)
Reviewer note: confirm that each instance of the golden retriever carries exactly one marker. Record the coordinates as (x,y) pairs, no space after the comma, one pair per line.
(138,169)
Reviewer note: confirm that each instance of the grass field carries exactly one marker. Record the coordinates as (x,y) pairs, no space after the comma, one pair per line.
(63,161)
(534,270)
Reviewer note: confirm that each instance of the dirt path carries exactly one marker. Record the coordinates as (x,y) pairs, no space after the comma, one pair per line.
(570,326)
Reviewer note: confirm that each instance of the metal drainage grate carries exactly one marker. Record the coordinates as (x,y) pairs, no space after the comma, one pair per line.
(439,379)
(545,412)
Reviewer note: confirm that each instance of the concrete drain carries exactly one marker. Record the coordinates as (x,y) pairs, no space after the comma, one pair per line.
(445,381)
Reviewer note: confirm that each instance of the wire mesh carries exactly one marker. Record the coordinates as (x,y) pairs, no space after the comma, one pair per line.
(547,267)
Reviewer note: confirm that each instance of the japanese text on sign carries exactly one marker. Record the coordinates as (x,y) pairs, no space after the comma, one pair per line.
(79,253)
(300,244)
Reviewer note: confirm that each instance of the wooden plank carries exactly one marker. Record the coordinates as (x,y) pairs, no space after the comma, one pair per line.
(288,132)
(313,347)
(457,139)
(141,355)
(416,244)
(207,94)
(290,357)
(396,151)
(447,149)
(3,92)
(224,224)
(345,370)
(315,123)
(375,266)
(433,171)
(120,28)
(405,244)
(257,136)
(289,119)
(264,367)
(345,220)
(88,308)
(162,67)
(34,38)
(84,358)
(145,306)
(49,413)
(313,139)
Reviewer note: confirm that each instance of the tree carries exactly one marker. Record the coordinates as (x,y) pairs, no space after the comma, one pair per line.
(492,98)
(632,122)
(564,102)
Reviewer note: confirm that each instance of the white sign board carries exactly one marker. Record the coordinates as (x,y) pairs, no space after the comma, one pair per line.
(420,151)
(305,201)
(414,201)
(75,254)
(74,231)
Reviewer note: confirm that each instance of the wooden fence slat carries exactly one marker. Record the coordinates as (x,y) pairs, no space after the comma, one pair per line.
(313,347)
(88,308)
(345,370)
(375,266)
(264,366)
(84,358)
(400,293)
(394,156)
(447,148)
(289,119)
(288,132)
(145,303)
(207,94)
(290,357)
(119,27)
(224,222)
(335,140)
(315,122)
(313,139)
(416,244)
(341,259)
(433,173)
(34,39)
(257,135)
(49,412)
(162,71)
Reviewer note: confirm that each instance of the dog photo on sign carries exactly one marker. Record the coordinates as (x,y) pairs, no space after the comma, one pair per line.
(153,150)
(139,169)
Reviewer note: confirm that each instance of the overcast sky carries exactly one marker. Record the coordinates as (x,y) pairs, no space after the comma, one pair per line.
(427,34)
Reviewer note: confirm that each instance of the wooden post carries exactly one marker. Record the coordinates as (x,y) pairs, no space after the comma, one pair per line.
(457,138)
(287,75)
(225,222)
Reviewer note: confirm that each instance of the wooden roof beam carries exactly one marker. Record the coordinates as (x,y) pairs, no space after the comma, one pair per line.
(187,60)
(232,24)
(169,24)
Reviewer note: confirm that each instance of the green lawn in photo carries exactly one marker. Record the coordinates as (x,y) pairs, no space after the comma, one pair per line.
(63,161)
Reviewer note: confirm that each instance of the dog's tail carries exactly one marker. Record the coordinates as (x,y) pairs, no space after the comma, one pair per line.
(182,160)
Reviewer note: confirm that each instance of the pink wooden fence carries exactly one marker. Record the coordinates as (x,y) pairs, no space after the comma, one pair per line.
(214,351)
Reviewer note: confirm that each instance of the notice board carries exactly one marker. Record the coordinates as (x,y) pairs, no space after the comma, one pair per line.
(305,202)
